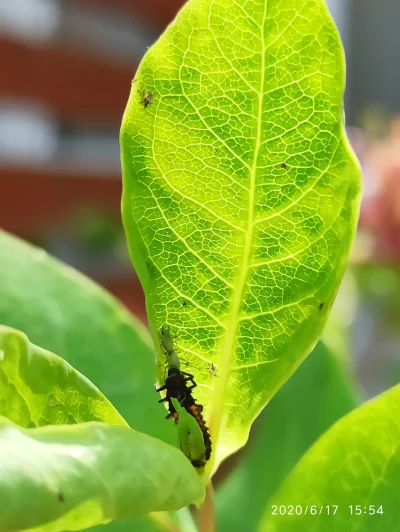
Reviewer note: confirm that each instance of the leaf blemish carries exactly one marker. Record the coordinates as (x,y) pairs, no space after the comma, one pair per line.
(284,166)
(60,497)
(212,369)
(147,98)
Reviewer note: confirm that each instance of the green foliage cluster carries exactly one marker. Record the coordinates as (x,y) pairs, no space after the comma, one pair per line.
(240,204)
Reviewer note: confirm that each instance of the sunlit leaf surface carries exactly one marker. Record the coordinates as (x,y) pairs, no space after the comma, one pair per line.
(240,194)
(39,388)
(318,394)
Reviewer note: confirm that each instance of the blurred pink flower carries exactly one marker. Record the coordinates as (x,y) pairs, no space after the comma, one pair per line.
(380,211)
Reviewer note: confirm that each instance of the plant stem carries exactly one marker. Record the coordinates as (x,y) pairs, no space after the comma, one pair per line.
(185,520)
(163,521)
(207,511)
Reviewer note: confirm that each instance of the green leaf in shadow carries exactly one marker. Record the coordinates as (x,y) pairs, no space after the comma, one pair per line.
(318,394)
(65,312)
(39,388)
(356,462)
(71,477)
(241,195)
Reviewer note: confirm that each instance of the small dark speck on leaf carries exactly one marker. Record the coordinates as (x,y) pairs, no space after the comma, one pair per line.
(184,303)
(284,166)
(147,99)
(60,497)
(321,306)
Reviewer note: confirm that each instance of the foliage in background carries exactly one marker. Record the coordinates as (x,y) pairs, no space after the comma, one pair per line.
(67,313)
(380,214)
(63,311)
(354,466)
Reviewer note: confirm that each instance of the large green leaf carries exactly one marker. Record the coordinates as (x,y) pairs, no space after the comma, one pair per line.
(70,477)
(317,395)
(39,388)
(65,312)
(355,463)
(241,194)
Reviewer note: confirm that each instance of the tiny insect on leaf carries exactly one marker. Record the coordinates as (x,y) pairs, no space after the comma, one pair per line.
(212,369)
(147,99)
(167,340)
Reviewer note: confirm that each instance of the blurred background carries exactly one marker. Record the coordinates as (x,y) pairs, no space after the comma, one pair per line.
(66,70)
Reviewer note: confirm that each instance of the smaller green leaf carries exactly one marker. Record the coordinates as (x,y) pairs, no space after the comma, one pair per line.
(71,477)
(355,463)
(39,388)
(190,437)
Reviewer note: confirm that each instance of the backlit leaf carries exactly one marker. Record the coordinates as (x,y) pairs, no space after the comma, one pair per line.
(39,388)
(318,394)
(240,195)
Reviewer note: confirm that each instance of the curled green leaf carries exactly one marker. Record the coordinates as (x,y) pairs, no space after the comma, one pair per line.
(190,437)
(71,477)
(40,388)
(318,394)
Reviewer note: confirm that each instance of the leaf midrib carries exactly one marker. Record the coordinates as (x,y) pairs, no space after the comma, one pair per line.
(232,322)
